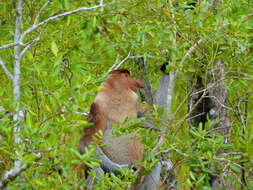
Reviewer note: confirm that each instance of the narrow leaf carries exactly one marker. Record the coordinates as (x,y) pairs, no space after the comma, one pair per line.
(54,48)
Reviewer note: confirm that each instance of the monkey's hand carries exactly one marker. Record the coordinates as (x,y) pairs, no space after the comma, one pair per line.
(147,123)
(115,168)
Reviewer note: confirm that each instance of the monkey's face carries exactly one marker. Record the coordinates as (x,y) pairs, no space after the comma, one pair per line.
(122,77)
(134,84)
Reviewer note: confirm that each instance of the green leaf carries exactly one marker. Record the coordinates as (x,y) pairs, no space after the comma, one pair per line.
(94,23)
(235,169)
(54,48)
(66,4)
(188,181)
(192,69)
(28,120)
(192,176)
(29,56)
(29,158)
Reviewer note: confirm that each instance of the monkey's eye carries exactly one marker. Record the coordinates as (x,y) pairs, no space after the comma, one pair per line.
(126,75)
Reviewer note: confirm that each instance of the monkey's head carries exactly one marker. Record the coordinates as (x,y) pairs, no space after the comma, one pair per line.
(122,78)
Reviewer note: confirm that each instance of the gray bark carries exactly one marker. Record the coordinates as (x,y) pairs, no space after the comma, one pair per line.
(213,105)
(19,115)
(162,98)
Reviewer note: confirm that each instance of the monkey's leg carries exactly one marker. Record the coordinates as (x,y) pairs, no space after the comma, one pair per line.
(106,164)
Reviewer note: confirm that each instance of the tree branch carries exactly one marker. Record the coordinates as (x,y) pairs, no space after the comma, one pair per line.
(170,88)
(34,27)
(5,69)
(124,60)
(116,63)
(11,45)
(16,75)
(29,44)
(18,168)
(188,54)
(206,90)
(219,102)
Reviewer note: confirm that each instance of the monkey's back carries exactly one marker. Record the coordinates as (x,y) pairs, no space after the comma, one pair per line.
(116,103)
(123,150)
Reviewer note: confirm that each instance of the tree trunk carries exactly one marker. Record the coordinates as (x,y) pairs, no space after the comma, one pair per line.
(212,105)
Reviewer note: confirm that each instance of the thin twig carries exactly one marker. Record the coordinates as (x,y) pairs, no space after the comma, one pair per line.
(181,104)
(38,15)
(5,69)
(188,54)
(189,118)
(240,113)
(244,182)
(115,63)
(181,122)
(52,116)
(243,120)
(218,129)
(11,45)
(29,44)
(198,92)
(222,105)
(124,60)
(244,19)
(68,67)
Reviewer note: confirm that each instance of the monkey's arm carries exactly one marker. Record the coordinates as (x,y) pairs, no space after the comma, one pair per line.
(151,181)
(162,92)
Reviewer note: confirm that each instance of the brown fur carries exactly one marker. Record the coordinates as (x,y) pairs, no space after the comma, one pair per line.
(116,101)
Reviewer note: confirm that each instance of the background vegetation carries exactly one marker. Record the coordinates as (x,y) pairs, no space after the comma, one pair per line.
(61,74)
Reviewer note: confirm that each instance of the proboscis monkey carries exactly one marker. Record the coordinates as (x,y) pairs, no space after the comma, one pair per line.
(116,101)
(151,180)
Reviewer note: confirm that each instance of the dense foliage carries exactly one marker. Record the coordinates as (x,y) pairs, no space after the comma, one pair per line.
(62,72)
